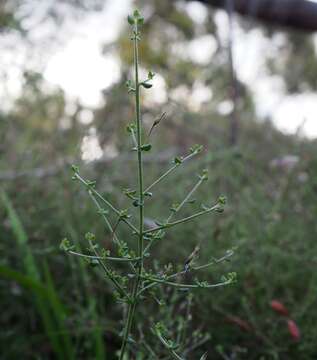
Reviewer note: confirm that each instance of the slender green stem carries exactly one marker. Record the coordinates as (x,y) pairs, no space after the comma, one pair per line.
(109,274)
(163,176)
(172,276)
(115,210)
(186,321)
(109,226)
(135,143)
(107,258)
(167,346)
(186,286)
(179,207)
(215,261)
(187,197)
(111,229)
(186,219)
(132,305)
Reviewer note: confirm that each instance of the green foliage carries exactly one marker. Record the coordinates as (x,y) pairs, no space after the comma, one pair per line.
(54,322)
(275,242)
(269,219)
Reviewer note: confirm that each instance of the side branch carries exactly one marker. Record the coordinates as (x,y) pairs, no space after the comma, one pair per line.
(186,219)
(164,175)
(172,276)
(115,210)
(188,286)
(109,274)
(107,258)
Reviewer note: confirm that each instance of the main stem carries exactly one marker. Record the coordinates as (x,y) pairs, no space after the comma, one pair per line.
(132,305)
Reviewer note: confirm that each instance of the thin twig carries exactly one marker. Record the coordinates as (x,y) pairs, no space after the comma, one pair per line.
(167,346)
(186,219)
(187,286)
(108,258)
(178,208)
(172,276)
(108,203)
(108,273)
(164,175)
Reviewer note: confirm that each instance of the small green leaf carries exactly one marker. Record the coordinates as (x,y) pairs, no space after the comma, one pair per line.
(75,168)
(90,236)
(174,207)
(136,203)
(123,214)
(65,245)
(150,75)
(91,183)
(146,147)
(136,14)
(130,20)
(129,86)
(105,253)
(131,128)
(129,193)
(146,85)
(195,149)
(103,211)
(161,328)
(159,234)
(232,277)
(177,160)
(94,263)
(219,209)
(222,200)
(204,175)
(204,207)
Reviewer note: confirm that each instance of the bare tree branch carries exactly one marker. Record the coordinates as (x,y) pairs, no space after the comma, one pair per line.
(298,14)
(234,124)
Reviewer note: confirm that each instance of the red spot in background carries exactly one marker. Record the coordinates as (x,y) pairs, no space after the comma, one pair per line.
(293,329)
(279,307)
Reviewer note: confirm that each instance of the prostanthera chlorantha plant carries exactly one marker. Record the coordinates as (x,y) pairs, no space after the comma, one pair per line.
(143,278)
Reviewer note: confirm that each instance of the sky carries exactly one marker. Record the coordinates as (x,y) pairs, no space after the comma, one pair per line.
(84,44)
(288,112)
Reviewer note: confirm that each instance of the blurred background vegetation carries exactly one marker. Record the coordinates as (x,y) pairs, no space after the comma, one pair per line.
(57,307)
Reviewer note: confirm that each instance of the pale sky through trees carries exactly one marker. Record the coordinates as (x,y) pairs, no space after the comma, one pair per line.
(288,112)
(80,68)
